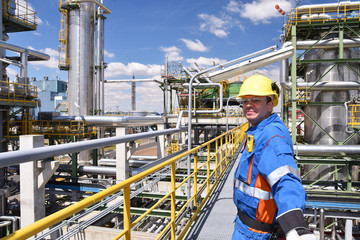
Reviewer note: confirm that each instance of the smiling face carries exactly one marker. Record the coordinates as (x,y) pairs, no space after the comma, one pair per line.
(256,108)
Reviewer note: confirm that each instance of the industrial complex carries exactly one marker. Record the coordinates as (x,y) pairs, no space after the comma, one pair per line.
(71,170)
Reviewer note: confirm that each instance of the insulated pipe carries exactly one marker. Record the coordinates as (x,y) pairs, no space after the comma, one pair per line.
(190,74)
(32,53)
(325,86)
(198,70)
(327,43)
(252,64)
(107,171)
(21,156)
(114,121)
(327,150)
(134,80)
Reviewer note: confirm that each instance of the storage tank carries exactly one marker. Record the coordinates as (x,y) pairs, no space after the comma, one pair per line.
(332,118)
(233,89)
(81,29)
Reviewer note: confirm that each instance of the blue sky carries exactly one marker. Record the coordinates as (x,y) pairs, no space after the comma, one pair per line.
(140,33)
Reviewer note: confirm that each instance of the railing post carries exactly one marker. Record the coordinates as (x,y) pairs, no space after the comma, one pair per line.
(226,149)
(232,144)
(173,206)
(195,178)
(127,220)
(216,158)
(208,169)
(221,154)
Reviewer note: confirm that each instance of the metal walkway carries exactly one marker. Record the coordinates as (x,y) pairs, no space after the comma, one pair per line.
(215,220)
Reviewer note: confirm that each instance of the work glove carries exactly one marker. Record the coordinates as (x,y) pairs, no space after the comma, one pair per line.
(293,225)
(300,234)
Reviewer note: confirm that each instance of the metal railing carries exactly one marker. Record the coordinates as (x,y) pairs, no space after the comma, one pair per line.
(352,116)
(19,11)
(225,147)
(49,128)
(322,14)
(13,93)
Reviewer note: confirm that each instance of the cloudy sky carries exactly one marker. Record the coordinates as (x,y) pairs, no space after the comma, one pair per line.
(139,34)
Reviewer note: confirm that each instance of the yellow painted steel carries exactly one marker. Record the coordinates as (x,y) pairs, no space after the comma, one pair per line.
(238,136)
(64,61)
(353,115)
(323,14)
(49,128)
(20,11)
(18,93)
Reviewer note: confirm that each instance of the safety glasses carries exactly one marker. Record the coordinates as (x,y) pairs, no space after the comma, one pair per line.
(252,101)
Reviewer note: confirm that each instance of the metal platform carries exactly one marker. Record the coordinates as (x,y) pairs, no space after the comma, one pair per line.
(216,220)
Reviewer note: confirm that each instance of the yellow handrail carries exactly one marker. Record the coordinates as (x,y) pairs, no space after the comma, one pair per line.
(235,136)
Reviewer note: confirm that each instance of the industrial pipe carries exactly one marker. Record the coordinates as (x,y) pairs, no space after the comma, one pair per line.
(21,156)
(123,121)
(327,150)
(134,80)
(15,48)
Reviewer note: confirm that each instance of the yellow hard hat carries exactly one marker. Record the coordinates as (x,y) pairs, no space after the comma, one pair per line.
(258,85)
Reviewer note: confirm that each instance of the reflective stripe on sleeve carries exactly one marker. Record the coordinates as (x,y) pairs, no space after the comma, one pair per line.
(278,173)
(252,191)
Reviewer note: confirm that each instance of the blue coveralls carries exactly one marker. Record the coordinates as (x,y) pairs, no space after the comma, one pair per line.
(267,181)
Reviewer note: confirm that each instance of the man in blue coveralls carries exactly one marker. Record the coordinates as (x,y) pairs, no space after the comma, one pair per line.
(267,185)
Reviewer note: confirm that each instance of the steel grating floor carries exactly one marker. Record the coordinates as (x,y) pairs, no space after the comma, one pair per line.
(215,220)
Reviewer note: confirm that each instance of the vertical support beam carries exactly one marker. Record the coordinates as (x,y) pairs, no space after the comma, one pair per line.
(322,224)
(32,198)
(196,136)
(161,142)
(74,163)
(293,88)
(171,103)
(173,200)
(341,41)
(122,161)
(348,229)
(133,95)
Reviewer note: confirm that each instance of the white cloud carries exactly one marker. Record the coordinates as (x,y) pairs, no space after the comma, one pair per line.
(109,54)
(11,72)
(205,62)
(115,69)
(233,7)
(149,97)
(172,53)
(261,11)
(196,45)
(51,63)
(214,25)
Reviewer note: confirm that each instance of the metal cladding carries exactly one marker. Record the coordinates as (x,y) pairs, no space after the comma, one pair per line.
(330,117)
(81,55)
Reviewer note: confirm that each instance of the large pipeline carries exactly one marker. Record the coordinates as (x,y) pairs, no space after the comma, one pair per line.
(322,44)
(116,121)
(327,150)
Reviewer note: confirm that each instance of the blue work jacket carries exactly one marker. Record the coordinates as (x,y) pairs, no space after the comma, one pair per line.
(267,181)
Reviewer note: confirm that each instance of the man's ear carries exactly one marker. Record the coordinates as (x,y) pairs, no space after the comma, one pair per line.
(270,106)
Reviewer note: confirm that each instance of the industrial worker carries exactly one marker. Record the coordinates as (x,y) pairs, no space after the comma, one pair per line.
(267,186)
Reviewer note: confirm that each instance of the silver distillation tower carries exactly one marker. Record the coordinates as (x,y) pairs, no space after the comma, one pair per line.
(85,54)
(332,118)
